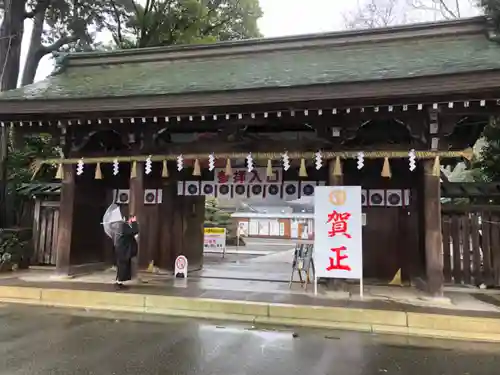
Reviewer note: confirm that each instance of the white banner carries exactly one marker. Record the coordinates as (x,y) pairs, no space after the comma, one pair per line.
(338,232)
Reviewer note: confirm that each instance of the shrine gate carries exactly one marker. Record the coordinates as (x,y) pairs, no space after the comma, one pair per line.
(156,127)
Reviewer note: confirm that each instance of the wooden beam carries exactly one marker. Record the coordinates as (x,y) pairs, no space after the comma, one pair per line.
(66,216)
(432,230)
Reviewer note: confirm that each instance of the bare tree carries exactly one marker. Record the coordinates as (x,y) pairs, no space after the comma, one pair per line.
(375,13)
(382,13)
(447,9)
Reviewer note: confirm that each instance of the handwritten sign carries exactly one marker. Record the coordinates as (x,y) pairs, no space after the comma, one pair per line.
(214,239)
(338,232)
(181,266)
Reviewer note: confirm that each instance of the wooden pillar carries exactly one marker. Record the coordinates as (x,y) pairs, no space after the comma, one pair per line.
(66,216)
(36,231)
(432,230)
(192,244)
(136,207)
(107,243)
(178,227)
(166,254)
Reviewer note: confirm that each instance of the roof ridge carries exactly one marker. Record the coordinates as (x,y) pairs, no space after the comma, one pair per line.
(424,29)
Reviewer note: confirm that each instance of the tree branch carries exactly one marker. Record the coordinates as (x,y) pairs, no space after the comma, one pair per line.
(440,6)
(457,5)
(118,22)
(65,39)
(215,26)
(41,6)
(448,10)
(374,13)
(136,8)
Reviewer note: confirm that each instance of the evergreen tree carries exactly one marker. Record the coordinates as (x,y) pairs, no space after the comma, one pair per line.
(491,9)
(215,217)
(154,23)
(489,161)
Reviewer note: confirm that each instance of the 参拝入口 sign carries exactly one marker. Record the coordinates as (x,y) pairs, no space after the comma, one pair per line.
(241,176)
(338,232)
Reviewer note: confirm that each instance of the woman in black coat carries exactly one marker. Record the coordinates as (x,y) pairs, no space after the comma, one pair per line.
(125,249)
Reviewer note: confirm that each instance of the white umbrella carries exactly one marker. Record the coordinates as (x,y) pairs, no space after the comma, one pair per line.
(112,217)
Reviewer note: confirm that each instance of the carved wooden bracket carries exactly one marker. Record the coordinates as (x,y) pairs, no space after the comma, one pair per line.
(448,124)
(417,129)
(81,140)
(350,129)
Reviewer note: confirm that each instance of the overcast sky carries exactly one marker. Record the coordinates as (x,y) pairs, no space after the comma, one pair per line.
(288,17)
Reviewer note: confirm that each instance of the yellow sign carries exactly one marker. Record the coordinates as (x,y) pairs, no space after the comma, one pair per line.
(337,197)
(213,230)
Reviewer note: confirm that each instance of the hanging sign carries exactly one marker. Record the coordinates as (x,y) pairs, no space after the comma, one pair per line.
(214,239)
(181,266)
(241,176)
(338,233)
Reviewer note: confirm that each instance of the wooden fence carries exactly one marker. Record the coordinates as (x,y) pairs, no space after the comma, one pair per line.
(45,225)
(471,244)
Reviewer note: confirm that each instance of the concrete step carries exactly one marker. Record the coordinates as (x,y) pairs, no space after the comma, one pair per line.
(474,327)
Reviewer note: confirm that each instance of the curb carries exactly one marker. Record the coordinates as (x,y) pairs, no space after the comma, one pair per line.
(355,319)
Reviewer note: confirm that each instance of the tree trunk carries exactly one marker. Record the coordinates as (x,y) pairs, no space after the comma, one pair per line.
(36,50)
(11,36)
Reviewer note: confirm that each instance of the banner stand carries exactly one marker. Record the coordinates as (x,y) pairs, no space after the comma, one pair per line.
(361,286)
(303,263)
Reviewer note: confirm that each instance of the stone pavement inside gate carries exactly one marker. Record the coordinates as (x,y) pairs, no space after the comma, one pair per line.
(458,300)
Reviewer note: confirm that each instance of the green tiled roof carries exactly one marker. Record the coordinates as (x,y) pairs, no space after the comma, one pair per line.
(307,65)
(36,189)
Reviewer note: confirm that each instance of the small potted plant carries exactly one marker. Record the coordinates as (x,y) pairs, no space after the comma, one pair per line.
(13,253)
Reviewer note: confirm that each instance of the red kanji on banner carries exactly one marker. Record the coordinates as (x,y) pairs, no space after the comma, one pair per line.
(255,177)
(339,223)
(335,261)
(222,178)
(239,177)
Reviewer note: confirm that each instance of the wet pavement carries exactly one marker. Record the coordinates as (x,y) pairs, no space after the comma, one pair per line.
(47,341)
(273,262)
(216,259)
